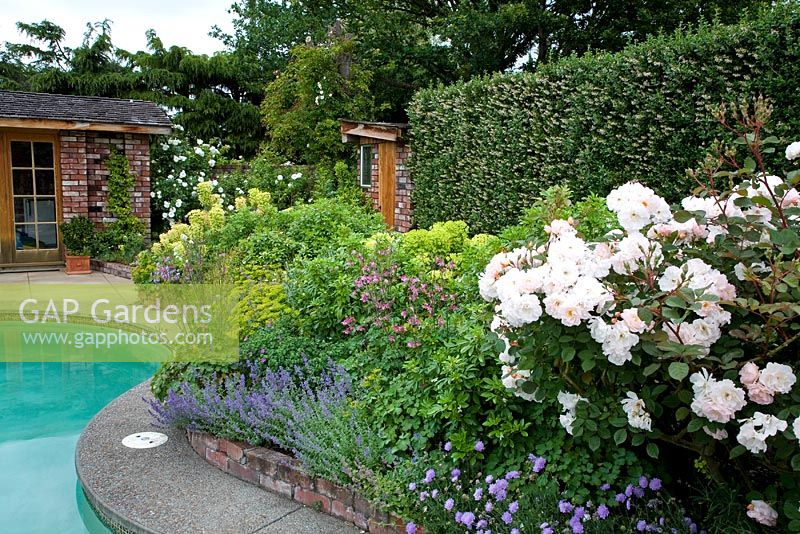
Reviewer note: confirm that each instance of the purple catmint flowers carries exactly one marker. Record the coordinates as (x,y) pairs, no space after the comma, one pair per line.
(293,409)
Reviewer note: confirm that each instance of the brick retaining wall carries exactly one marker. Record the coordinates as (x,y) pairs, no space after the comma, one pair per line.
(108,267)
(282,474)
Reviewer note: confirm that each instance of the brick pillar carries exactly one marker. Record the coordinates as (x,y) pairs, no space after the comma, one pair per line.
(403,210)
(74,179)
(137,150)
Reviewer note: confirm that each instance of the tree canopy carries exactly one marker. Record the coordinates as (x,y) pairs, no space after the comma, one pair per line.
(395,47)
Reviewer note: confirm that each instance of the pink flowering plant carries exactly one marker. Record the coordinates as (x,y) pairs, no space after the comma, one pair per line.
(679,329)
(394,305)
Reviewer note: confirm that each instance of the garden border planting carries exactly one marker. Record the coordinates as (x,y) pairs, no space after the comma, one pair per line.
(284,475)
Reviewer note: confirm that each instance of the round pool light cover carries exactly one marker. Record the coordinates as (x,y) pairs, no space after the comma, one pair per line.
(144,440)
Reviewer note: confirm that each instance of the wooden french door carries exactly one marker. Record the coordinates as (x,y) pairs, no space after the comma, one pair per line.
(30,199)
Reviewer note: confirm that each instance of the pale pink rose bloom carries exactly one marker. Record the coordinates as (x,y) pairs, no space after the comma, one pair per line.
(759,394)
(749,373)
(717,411)
(718,434)
(762,513)
(631,319)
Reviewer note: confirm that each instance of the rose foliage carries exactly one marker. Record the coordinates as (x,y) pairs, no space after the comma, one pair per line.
(680,329)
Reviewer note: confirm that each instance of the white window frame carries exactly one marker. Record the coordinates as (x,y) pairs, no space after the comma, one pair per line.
(366,166)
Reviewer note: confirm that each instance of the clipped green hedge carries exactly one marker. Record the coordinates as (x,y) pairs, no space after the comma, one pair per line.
(485,148)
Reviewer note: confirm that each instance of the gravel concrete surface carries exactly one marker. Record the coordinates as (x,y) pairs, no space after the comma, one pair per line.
(170,489)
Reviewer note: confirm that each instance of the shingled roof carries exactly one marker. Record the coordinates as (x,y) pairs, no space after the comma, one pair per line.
(66,112)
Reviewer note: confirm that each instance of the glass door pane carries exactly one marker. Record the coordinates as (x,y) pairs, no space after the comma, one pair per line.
(34,188)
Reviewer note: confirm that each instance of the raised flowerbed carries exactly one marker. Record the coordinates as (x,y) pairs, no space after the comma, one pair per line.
(282,474)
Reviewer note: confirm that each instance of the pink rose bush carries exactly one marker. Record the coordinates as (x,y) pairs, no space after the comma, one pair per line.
(680,327)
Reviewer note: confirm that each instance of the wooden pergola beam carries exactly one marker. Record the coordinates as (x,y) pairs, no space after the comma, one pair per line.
(353,132)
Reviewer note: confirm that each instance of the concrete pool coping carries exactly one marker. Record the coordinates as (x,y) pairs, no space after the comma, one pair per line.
(170,489)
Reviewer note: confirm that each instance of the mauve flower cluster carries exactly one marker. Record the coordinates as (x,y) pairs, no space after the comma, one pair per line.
(166,272)
(637,499)
(484,504)
(394,302)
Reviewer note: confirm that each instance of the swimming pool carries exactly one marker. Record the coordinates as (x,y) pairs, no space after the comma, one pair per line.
(43,408)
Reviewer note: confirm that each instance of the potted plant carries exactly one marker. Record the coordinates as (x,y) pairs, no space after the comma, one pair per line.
(77,235)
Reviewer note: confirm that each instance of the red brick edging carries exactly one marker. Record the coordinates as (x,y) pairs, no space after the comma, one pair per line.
(282,474)
(108,267)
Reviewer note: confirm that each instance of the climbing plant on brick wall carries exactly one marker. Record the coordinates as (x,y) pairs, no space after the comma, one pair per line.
(485,148)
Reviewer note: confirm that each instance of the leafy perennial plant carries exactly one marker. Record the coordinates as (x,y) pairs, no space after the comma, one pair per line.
(678,328)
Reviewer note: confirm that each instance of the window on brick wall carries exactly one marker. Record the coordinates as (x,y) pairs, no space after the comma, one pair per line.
(366,165)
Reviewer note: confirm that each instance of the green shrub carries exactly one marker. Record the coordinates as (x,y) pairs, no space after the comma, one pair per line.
(320,290)
(78,236)
(484,149)
(442,239)
(591,217)
(261,298)
(284,344)
(287,184)
(120,241)
(144,270)
(327,223)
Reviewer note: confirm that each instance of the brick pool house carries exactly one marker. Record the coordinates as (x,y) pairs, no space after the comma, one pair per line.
(383,152)
(53,152)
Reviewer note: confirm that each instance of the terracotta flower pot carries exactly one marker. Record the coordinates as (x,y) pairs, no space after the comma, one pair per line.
(77,265)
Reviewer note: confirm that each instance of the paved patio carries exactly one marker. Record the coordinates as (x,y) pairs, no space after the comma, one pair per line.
(59,277)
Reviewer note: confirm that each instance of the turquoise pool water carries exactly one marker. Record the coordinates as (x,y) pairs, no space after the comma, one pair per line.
(43,408)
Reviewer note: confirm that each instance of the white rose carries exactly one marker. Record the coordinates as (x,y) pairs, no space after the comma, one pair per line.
(566,421)
(762,513)
(718,434)
(793,151)
(521,310)
(634,217)
(777,377)
(633,321)
(634,408)
(671,278)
